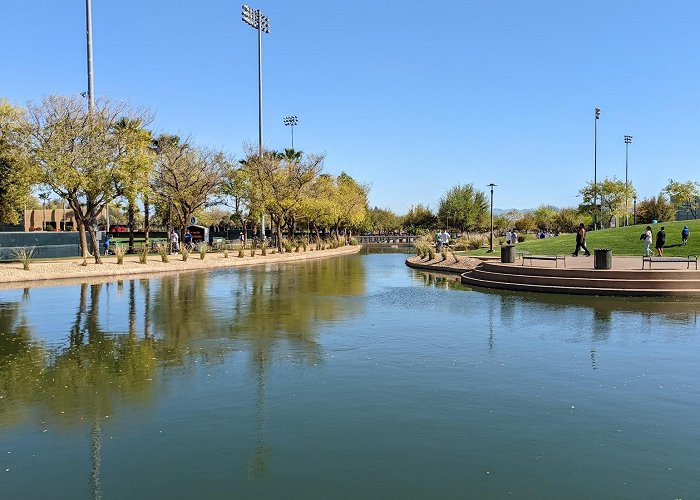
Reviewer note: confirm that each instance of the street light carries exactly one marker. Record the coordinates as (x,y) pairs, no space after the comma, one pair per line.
(634,220)
(257,20)
(595,167)
(628,139)
(492,185)
(291,121)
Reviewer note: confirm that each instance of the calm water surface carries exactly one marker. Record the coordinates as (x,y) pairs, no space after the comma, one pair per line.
(344,378)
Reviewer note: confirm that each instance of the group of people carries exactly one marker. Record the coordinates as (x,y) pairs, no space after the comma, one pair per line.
(442,238)
(647,236)
(511,237)
(175,241)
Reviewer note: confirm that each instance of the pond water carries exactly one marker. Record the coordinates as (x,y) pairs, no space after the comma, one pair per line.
(344,378)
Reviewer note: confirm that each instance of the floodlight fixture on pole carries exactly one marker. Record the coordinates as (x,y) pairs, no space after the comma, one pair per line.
(492,185)
(628,140)
(595,168)
(291,121)
(88,23)
(257,20)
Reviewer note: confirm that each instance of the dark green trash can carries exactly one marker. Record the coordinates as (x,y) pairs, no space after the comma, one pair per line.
(602,258)
(508,254)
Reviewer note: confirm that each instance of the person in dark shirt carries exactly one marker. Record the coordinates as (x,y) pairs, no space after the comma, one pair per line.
(660,241)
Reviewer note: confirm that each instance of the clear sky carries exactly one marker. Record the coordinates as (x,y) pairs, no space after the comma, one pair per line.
(410,96)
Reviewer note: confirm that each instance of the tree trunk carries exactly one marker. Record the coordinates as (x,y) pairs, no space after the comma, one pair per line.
(318,236)
(146,219)
(130,212)
(95,244)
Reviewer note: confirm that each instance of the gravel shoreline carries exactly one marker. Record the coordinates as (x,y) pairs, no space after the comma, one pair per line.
(46,273)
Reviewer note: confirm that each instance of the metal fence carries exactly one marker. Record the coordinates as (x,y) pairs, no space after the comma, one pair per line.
(46,245)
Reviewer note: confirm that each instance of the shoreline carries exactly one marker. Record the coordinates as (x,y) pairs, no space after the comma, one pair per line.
(65,271)
(449,265)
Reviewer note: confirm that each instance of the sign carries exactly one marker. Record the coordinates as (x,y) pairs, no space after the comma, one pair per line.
(193,220)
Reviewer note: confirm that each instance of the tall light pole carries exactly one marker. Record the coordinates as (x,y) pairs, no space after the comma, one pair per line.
(256,19)
(628,139)
(88,22)
(260,22)
(492,185)
(634,220)
(595,167)
(291,121)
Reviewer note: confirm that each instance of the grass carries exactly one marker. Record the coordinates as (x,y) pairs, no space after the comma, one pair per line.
(623,241)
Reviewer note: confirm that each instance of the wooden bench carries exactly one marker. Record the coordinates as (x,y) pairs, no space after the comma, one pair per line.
(689,259)
(521,253)
(555,258)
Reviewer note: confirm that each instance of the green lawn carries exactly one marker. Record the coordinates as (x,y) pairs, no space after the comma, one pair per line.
(623,241)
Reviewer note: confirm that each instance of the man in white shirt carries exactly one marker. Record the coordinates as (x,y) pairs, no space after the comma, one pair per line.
(174,242)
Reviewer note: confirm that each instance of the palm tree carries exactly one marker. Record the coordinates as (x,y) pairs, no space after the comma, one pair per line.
(44,197)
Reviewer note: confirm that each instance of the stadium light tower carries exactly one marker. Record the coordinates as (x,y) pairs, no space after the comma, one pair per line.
(257,20)
(628,139)
(291,121)
(88,28)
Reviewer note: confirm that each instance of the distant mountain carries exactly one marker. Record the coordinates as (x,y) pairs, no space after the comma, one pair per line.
(500,211)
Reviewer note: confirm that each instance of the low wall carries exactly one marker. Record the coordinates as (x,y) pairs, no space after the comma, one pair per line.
(47,245)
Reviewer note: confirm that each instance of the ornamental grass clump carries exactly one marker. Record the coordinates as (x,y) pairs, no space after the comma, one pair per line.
(305,243)
(353,241)
(226,252)
(185,252)
(297,246)
(202,250)
(163,251)
(143,254)
(25,255)
(252,251)
(263,249)
(287,245)
(443,254)
(119,251)
(241,254)
(431,253)
(454,256)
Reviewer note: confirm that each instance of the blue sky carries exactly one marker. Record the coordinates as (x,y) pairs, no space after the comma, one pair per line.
(409,96)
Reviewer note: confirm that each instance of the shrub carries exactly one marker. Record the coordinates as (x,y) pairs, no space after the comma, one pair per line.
(297,245)
(143,254)
(475,242)
(119,251)
(163,251)
(225,252)
(202,250)
(443,253)
(353,241)
(263,249)
(240,253)
(252,251)
(24,255)
(287,245)
(431,253)
(454,256)
(84,262)
(305,243)
(185,252)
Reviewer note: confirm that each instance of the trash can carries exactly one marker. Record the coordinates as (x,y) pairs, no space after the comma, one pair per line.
(508,254)
(602,258)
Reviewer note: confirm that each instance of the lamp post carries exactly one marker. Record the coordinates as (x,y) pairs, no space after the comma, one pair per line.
(628,139)
(291,121)
(257,20)
(492,185)
(88,23)
(595,166)
(634,220)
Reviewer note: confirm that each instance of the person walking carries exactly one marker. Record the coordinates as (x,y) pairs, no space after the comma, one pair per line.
(106,243)
(581,241)
(660,241)
(684,235)
(174,242)
(508,236)
(647,242)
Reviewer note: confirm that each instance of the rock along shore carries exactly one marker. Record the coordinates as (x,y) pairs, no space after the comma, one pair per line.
(43,273)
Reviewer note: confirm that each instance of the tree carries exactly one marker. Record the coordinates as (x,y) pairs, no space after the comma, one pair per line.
(382,220)
(684,195)
(419,219)
(545,217)
(659,209)
(568,219)
(138,159)
(186,176)
(82,155)
(17,172)
(611,196)
(278,183)
(317,207)
(350,204)
(465,207)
